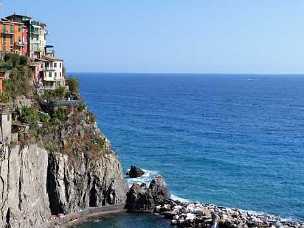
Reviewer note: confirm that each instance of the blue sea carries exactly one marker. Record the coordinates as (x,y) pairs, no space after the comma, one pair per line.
(231,140)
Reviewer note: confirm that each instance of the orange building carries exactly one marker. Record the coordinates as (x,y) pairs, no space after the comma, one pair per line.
(2,77)
(11,37)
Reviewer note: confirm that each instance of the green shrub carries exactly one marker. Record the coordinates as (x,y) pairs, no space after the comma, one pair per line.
(5,66)
(60,114)
(15,60)
(23,60)
(29,115)
(19,82)
(4,98)
(43,117)
(81,107)
(56,94)
(73,85)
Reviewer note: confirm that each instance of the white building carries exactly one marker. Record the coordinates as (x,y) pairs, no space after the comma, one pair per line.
(38,34)
(53,73)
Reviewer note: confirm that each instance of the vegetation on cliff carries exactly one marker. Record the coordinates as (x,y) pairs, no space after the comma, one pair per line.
(19,81)
(56,119)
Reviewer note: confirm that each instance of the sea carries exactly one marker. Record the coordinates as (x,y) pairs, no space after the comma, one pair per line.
(231,140)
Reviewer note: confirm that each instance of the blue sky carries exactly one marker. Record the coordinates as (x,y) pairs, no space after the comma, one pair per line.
(196,36)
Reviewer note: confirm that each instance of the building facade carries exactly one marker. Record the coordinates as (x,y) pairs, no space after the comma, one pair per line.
(38,34)
(11,37)
(15,34)
(25,20)
(22,35)
(53,73)
(34,33)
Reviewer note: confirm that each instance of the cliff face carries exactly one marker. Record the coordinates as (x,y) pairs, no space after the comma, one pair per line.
(23,194)
(34,184)
(53,157)
(85,183)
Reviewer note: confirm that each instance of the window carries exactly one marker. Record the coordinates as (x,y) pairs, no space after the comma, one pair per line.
(60,65)
(55,74)
(55,65)
(19,28)
(8,118)
(50,74)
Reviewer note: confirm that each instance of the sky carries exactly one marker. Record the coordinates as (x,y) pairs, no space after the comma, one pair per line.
(172,36)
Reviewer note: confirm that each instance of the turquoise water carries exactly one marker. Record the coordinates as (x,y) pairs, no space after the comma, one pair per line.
(233,140)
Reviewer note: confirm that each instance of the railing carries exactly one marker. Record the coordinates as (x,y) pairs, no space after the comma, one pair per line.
(50,69)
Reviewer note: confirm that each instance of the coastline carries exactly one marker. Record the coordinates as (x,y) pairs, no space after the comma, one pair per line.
(155,197)
(183,214)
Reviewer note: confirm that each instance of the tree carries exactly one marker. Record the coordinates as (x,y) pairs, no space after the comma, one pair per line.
(73,85)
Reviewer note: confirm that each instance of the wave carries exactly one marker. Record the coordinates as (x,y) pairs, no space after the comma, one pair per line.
(180,199)
(151,174)
(144,179)
(147,178)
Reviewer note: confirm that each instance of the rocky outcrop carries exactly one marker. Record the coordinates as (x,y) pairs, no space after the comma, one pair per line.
(141,198)
(135,172)
(23,194)
(34,184)
(156,199)
(73,185)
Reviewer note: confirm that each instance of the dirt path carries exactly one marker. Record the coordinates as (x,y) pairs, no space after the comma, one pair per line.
(86,215)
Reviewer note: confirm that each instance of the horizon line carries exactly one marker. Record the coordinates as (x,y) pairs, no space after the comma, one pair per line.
(183,73)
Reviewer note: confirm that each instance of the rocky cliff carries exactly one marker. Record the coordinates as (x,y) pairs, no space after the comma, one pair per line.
(87,183)
(79,170)
(34,184)
(24,201)
(53,157)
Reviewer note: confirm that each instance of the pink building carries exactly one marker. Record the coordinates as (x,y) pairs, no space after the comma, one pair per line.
(38,68)
(25,40)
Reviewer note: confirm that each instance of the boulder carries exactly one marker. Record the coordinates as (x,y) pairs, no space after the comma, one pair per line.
(143,199)
(135,172)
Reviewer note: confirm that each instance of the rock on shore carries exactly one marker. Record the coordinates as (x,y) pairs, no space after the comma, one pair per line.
(135,172)
(155,198)
(142,198)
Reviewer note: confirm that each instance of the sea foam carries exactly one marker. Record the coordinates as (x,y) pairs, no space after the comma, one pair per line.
(147,178)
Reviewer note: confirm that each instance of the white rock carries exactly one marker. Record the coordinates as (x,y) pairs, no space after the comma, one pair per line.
(190,216)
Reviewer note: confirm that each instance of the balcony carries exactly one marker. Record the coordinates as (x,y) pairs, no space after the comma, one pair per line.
(5,32)
(34,41)
(35,32)
(50,68)
(20,44)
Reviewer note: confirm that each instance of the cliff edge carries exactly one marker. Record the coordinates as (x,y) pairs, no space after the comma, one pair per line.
(54,160)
